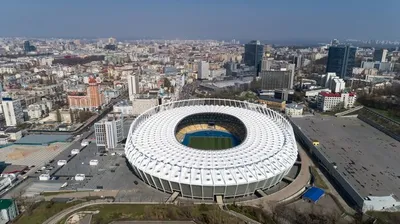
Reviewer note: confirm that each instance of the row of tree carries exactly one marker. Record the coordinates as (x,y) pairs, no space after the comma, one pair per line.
(387,99)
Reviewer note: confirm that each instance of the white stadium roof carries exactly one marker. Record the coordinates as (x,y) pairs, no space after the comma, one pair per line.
(268,149)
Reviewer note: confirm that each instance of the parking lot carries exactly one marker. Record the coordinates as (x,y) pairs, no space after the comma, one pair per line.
(112,172)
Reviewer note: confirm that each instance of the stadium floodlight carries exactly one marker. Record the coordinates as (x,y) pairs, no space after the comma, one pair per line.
(264,155)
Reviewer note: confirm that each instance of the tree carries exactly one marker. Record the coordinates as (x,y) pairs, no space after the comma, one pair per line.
(84,115)
(167,83)
(71,116)
(58,114)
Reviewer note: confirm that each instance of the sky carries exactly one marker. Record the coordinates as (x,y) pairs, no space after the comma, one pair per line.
(202,19)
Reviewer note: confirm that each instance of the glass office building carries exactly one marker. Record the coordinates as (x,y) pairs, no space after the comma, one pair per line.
(253,54)
(341,60)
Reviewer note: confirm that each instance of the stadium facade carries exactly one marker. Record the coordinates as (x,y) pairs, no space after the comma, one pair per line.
(265,151)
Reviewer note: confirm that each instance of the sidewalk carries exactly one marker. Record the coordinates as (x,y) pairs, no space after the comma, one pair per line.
(289,192)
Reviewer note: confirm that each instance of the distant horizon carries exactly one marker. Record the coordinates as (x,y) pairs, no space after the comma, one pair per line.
(206,19)
(283,42)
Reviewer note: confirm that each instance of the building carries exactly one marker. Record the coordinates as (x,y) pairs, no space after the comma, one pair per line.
(381,66)
(93,92)
(266,63)
(12,110)
(8,210)
(298,61)
(271,80)
(284,94)
(203,70)
(91,100)
(123,107)
(333,82)
(335,101)
(253,54)
(272,103)
(133,86)
(380,55)
(293,109)
(140,105)
(14,134)
(109,131)
(341,60)
(170,165)
(28,47)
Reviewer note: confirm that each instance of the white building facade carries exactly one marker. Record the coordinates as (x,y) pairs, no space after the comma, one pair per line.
(8,210)
(293,110)
(203,71)
(334,101)
(109,131)
(12,110)
(133,86)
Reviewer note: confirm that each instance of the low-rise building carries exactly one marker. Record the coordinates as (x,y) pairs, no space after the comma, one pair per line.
(140,105)
(272,103)
(294,109)
(4,139)
(335,101)
(8,210)
(14,133)
(123,107)
(314,92)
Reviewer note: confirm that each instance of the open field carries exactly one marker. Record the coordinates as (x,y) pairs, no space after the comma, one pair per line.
(210,142)
(386,114)
(30,154)
(385,217)
(42,211)
(141,212)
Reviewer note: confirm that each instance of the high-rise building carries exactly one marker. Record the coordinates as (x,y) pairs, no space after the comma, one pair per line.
(298,61)
(92,99)
(111,40)
(341,60)
(133,86)
(28,47)
(266,63)
(253,53)
(93,92)
(380,55)
(203,70)
(12,110)
(271,80)
(109,131)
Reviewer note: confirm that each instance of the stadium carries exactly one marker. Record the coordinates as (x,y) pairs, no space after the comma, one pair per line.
(204,148)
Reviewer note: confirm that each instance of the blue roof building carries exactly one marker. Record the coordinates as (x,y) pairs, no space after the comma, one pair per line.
(313,194)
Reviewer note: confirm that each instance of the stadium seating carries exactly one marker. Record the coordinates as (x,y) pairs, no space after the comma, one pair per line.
(201,122)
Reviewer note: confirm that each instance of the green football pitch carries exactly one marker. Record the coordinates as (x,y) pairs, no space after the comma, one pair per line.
(210,143)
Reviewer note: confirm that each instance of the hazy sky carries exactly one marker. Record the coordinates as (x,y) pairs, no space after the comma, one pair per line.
(214,19)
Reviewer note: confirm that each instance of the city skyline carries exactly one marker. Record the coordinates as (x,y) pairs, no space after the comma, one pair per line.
(306,20)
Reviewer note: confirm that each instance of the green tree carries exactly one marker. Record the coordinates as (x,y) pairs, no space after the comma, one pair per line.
(58,113)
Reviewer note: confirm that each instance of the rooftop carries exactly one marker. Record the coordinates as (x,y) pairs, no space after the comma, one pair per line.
(5,203)
(328,94)
(367,158)
(42,139)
